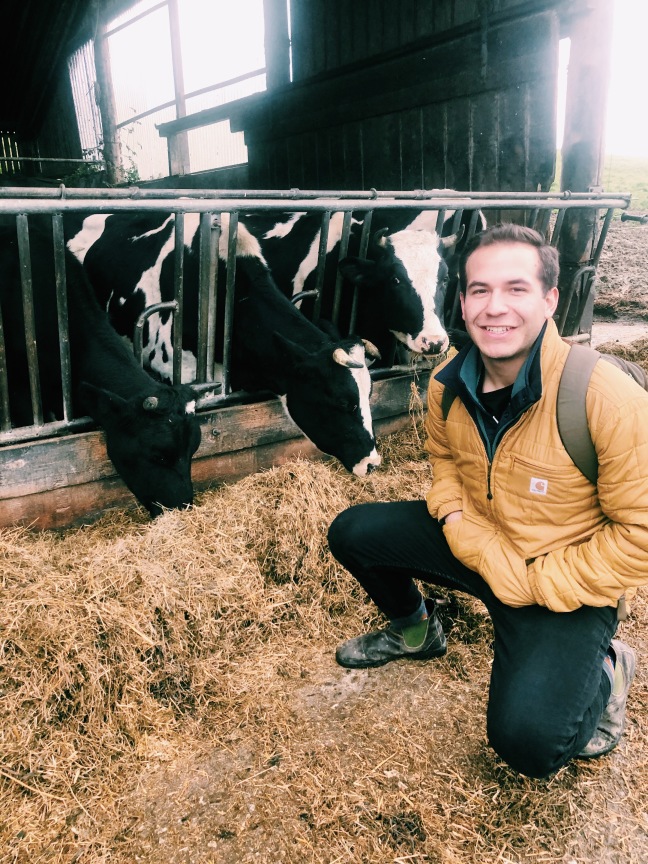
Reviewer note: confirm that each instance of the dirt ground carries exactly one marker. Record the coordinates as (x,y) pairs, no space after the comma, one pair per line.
(294,759)
(218,805)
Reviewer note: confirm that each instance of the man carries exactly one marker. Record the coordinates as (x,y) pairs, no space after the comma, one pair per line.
(511,520)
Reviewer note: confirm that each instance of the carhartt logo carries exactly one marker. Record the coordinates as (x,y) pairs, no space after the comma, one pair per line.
(538,486)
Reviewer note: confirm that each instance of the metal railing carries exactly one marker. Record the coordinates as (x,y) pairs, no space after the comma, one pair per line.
(544,211)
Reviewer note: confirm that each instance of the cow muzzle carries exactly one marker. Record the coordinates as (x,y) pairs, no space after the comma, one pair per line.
(367,465)
(431,345)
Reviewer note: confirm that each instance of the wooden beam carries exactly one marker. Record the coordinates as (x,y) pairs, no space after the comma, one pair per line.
(107,108)
(57,483)
(583,148)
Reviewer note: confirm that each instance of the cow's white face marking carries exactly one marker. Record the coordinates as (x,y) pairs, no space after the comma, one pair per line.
(427,219)
(91,230)
(419,254)
(363,383)
(191,407)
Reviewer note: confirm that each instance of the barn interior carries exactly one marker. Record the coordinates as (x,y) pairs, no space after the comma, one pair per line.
(390,96)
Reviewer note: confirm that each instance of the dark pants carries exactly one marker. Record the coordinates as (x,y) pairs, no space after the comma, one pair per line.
(547,689)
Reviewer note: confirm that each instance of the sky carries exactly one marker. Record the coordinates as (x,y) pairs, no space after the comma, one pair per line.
(627,115)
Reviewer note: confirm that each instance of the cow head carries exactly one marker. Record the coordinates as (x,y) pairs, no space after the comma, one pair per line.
(328,398)
(408,276)
(150,440)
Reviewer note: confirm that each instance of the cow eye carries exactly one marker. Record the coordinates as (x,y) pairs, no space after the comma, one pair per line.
(164,459)
(395,280)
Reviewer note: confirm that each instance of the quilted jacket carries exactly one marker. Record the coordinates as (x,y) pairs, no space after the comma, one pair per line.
(533,526)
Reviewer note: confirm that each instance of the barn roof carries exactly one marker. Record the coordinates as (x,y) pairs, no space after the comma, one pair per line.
(36,38)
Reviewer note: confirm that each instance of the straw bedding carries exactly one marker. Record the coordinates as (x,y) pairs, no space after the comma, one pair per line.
(169,694)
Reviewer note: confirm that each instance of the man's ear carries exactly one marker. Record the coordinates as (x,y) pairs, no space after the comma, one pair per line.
(551,299)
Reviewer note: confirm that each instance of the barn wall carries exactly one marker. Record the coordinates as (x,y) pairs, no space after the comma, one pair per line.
(468,103)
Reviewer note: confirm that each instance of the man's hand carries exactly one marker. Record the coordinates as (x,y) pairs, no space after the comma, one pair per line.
(453,517)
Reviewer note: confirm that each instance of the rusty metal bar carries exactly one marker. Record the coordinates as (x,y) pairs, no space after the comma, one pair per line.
(62,313)
(364,245)
(586,268)
(229,205)
(138,334)
(24,258)
(321,263)
(178,293)
(5,416)
(230,290)
(603,234)
(344,248)
(206,278)
(415,197)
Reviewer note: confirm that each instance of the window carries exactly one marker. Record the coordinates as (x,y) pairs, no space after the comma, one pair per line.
(219,57)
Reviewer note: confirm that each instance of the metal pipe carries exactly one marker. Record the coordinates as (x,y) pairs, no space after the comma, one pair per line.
(62,313)
(415,196)
(206,273)
(138,333)
(5,416)
(344,248)
(107,202)
(24,257)
(178,293)
(230,290)
(321,263)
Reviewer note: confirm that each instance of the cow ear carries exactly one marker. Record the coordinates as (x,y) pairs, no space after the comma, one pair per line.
(288,350)
(356,270)
(100,404)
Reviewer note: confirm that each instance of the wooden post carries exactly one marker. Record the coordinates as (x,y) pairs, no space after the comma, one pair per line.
(178,144)
(106,104)
(277,43)
(590,31)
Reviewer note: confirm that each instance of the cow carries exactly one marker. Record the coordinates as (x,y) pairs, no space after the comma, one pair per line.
(324,382)
(151,429)
(402,282)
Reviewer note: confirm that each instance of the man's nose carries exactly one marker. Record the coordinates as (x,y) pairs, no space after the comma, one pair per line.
(496,303)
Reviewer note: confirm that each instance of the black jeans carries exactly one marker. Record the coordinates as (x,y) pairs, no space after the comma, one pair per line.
(548,688)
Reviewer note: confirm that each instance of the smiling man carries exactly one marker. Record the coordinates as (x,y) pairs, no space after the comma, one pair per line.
(511,520)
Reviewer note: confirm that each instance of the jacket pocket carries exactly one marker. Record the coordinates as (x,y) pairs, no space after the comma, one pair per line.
(483,549)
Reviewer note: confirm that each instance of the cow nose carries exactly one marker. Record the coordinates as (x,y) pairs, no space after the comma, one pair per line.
(429,346)
(370,468)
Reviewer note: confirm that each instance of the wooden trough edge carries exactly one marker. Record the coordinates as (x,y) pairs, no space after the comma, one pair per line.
(61,482)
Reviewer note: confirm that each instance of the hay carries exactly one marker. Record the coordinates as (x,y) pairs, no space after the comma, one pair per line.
(169,694)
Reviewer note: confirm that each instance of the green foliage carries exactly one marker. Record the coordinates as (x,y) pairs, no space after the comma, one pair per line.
(627,174)
(620,174)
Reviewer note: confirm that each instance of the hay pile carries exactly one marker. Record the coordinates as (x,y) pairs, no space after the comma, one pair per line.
(169,694)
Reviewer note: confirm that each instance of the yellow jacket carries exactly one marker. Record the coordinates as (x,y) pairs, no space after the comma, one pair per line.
(533,527)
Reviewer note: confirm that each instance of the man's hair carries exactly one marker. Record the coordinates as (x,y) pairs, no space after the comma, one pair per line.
(508,232)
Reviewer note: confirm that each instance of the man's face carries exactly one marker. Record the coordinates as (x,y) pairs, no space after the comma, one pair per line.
(504,306)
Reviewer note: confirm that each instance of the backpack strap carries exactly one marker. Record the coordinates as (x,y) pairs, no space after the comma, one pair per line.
(571,413)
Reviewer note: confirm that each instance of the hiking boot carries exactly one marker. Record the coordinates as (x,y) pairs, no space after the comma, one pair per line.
(382,646)
(610,727)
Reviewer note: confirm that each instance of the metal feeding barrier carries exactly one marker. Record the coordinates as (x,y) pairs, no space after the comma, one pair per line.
(544,211)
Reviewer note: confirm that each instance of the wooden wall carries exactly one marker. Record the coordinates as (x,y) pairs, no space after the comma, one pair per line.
(407,95)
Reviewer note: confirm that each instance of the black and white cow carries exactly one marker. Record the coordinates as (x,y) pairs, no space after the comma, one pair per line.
(402,281)
(325,382)
(151,429)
